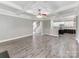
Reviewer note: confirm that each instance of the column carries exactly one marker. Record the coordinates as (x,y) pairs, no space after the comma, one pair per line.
(53,28)
(37,33)
(77,28)
(77,23)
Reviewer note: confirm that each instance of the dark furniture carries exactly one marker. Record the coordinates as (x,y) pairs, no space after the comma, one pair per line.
(70,31)
(4,54)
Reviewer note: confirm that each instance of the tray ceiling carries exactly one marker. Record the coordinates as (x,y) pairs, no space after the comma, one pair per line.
(28,9)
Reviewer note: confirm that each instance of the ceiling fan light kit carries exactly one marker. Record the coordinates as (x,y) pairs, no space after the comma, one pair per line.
(41,14)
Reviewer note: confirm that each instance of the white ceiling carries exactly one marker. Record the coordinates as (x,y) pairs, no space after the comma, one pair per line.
(28,9)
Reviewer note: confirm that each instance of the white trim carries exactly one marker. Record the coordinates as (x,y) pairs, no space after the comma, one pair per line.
(15,38)
(51,34)
(77,40)
(67,7)
(5,40)
(8,3)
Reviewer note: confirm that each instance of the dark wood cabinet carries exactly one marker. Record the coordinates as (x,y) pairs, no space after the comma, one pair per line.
(70,31)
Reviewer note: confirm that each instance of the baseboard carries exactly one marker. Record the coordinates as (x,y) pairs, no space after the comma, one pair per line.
(51,35)
(15,38)
(5,40)
(77,40)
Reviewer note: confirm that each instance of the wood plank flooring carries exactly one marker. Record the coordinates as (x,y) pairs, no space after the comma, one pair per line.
(45,47)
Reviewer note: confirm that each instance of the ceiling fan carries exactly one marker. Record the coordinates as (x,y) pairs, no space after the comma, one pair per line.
(41,15)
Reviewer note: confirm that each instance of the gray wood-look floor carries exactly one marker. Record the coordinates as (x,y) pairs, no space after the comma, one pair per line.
(45,47)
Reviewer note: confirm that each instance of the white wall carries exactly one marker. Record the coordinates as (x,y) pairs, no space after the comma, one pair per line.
(51,27)
(12,27)
(46,26)
(48,29)
(77,24)
(66,24)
